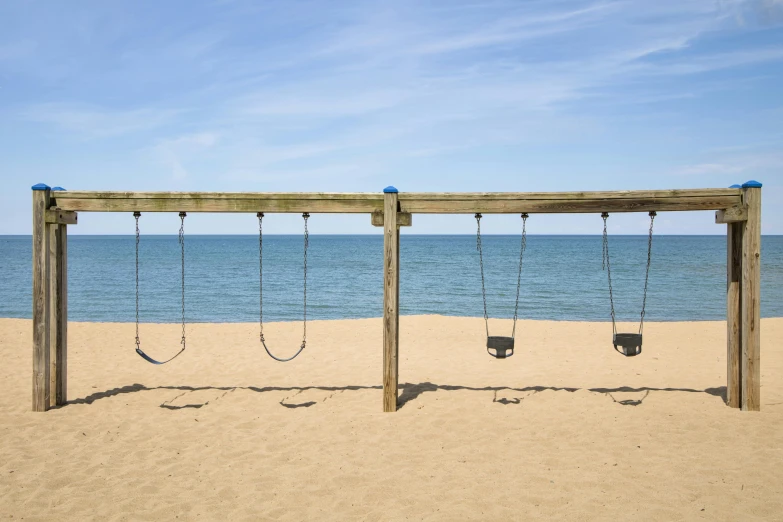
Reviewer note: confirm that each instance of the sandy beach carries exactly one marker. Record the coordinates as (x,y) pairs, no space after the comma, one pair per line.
(566,429)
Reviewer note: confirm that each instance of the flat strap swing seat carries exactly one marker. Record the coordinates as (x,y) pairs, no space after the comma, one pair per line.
(627,344)
(260,216)
(139,351)
(498,346)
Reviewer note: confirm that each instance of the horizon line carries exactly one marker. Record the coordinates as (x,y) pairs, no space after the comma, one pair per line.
(380,234)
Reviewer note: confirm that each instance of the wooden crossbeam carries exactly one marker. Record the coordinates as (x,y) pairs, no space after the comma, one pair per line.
(404,219)
(288,202)
(565,206)
(411,202)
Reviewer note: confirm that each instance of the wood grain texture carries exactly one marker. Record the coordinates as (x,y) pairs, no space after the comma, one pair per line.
(58,316)
(424,202)
(41,310)
(404,219)
(750,304)
(61,217)
(731,215)
(613,194)
(268,205)
(62,197)
(565,206)
(733,323)
(391,297)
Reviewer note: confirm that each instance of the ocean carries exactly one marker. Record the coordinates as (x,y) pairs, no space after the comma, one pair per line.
(562,277)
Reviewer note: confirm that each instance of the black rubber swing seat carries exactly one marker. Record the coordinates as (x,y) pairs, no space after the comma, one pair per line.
(630,344)
(503,346)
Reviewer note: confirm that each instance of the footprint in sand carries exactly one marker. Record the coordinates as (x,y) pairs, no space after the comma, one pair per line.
(195,399)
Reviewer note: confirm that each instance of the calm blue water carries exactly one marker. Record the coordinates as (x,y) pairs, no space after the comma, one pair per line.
(562,277)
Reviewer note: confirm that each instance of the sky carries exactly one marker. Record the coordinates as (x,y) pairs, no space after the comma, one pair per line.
(347,96)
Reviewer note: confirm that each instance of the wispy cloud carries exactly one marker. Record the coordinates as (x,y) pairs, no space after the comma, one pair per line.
(296,91)
(171,152)
(733,164)
(97,122)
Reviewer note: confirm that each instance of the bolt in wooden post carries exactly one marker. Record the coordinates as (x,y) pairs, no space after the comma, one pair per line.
(733,322)
(391,298)
(41,310)
(750,304)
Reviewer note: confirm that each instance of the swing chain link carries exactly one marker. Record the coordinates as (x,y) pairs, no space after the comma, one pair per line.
(305,216)
(260,216)
(137,215)
(606,266)
(182,216)
(522,247)
(481,264)
(647,273)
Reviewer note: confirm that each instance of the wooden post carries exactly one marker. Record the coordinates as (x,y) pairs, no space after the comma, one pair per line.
(58,320)
(41,308)
(750,304)
(733,322)
(391,298)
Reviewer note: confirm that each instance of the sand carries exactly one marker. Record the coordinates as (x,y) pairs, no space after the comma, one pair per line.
(566,429)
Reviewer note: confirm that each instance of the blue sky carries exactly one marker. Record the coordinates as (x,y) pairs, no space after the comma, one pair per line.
(354,96)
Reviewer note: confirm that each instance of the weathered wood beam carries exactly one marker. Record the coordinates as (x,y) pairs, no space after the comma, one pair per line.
(564,206)
(58,216)
(731,215)
(574,196)
(58,315)
(328,196)
(404,219)
(750,304)
(195,204)
(391,299)
(425,202)
(733,322)
(41,309)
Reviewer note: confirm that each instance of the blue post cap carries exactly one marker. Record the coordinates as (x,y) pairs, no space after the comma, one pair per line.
(736,186)
(390,190)
(57,189)
(41,186)
(751,184)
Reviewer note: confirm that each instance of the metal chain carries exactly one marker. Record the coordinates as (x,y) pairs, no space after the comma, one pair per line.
(260,216)
(481,264)
(606,266)
(305,216)
(137,215)
(647,274)
(182,215)
(522,247)
(182,247)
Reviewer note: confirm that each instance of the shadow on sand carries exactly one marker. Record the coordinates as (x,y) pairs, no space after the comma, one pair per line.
(410,393)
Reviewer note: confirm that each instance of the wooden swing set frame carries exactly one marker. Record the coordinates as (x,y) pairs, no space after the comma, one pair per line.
(739,207)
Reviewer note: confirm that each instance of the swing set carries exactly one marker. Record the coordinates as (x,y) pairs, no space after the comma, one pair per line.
(738,207)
